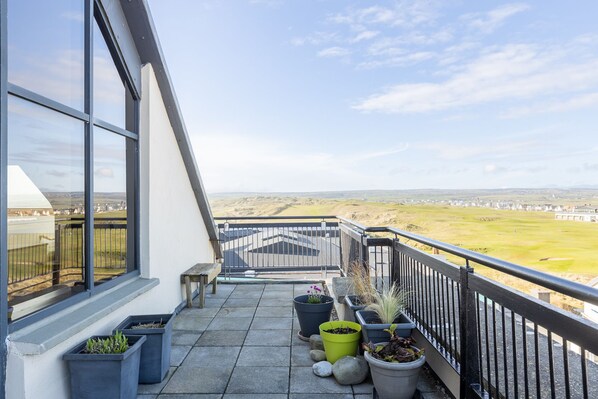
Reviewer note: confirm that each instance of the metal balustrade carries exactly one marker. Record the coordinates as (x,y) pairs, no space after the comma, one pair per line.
(496,341)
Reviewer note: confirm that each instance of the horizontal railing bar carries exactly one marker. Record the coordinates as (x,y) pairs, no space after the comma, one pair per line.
(232,226)
(272,217)
(442,266)
(573,289)
(575,329)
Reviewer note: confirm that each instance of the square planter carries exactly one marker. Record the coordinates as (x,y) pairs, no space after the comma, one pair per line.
(373,331)
(155,353)
(352,305)
(95,376)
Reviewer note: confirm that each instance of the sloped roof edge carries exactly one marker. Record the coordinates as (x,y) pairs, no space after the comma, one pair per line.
(142,28)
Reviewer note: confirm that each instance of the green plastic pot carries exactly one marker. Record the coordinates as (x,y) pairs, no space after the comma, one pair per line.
(339,345)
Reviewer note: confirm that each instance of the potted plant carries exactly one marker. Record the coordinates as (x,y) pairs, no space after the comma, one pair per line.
(312,309)
(340,338)
(155,353)
(386,309)
(362,286)
(395,366)
(105,367)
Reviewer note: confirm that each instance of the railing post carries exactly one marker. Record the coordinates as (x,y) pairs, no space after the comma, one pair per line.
(469,360)
(56,259)
(396,264)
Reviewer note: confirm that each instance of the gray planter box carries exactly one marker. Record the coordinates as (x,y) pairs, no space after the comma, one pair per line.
(104,376)
(373,331)
(155,353)
(351,306)
(311,315)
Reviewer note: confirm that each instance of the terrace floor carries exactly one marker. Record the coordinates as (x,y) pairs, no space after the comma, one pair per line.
(244,345)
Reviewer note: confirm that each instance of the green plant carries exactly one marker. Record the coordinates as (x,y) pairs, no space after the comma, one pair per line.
(389,304)
(361,282)
(116,343)
(314,295)
(397,350)
(149,325)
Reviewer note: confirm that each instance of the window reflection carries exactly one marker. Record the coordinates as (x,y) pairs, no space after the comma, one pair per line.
(110,205)
(45,206)
(46,48)
(109,92)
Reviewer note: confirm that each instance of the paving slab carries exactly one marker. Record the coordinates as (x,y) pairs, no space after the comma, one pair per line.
(156,388)
(269,311)
(274,302)
(272,323)
(211,302)
(192,396)
(178,354)
(140,396)
(236,312)
(278,295)
(182,337)
(222,338)
(241,303)
(189,323)
(245,294)
(300,356)
(322,396)
(205,356)
(230,323)
(260,356)
(268,337)
(254,396)
(303,380)
(198,380)
(259,380)
(198,312)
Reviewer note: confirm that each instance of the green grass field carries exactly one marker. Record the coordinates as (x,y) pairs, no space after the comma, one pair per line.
(531,239)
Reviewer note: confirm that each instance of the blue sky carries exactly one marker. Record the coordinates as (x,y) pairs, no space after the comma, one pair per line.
(330,95)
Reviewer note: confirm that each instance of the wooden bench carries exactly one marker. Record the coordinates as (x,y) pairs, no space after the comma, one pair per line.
(202,273)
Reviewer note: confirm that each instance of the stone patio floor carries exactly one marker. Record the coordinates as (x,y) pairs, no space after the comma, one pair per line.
(243,345)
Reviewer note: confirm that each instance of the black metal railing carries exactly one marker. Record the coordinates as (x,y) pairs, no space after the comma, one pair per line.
(498,342)
(279,243)
(501,342)
(36,259)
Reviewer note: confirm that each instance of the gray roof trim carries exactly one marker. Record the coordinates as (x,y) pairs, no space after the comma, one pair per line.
(142,28)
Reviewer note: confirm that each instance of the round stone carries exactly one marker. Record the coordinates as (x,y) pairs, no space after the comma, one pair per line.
(350,370)
(317,355)
(322,369)
(315,342)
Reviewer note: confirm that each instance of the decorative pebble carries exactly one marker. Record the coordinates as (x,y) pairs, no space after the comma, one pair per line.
(322,369)
(315,342)
(317,355)
(350,370)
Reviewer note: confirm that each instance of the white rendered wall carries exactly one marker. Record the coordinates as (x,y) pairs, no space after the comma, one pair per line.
(173,237)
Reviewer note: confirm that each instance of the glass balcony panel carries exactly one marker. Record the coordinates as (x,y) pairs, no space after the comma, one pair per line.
(45,206)
(46,48)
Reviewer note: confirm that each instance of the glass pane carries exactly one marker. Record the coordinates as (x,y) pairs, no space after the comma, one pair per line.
(45,206)
(110,205)
(109,92)
(46,48)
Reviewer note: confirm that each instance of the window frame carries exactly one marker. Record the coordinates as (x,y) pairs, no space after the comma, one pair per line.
(93,13)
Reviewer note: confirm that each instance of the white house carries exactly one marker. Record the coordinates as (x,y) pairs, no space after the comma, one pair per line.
(90,113)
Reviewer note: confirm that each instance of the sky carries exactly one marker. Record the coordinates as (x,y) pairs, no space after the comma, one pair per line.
(323,95)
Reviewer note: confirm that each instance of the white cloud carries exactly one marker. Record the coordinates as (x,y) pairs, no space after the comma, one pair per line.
(365,35)
(401,60)
(577,102)
(333,52)
(512,72)
(490,21)
(402,13)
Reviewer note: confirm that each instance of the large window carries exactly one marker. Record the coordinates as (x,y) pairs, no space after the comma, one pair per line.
(72,145)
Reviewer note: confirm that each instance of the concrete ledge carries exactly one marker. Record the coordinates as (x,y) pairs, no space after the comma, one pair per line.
(45,334)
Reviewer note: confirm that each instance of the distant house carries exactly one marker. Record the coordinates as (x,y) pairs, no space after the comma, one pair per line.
(577,216)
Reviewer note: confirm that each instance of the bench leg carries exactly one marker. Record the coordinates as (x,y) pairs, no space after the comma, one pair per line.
(214,285)
(188,291)
(202,291)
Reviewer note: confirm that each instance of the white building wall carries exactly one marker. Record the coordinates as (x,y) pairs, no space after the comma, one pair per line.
(173,238)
